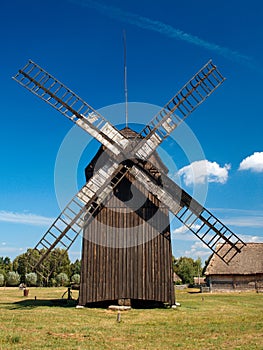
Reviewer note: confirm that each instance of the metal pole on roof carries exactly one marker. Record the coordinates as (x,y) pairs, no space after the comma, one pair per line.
(125,79)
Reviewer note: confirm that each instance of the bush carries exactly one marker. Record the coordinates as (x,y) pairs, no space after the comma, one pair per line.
(31,279)
(13,278)
(52,282)
(75,278)
(62,279)
(2,280)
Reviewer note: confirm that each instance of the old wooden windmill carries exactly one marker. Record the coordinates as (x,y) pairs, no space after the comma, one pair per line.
(126,250)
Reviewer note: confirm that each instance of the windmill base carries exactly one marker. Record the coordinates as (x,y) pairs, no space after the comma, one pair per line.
(134,303)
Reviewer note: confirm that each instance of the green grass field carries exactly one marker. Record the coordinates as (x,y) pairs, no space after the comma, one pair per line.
(204,321)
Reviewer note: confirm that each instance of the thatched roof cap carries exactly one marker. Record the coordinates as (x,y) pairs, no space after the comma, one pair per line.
(249,261)
(130,134)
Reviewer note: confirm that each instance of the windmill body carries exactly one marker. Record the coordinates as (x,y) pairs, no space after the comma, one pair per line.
(124,205)
(125,259)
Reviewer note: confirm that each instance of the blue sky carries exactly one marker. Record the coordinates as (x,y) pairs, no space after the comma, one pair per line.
(80,42)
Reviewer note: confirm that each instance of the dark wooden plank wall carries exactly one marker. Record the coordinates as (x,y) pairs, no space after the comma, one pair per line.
(142,271)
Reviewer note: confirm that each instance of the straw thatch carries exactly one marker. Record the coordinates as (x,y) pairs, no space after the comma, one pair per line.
(244,272)
(249,261)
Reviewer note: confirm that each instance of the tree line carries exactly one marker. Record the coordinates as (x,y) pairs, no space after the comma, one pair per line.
(58,270)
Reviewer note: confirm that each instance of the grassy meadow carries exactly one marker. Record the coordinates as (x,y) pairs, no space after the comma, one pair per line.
(204,321)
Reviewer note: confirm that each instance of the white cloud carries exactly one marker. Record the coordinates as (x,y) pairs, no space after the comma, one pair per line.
(200,171)
(183,229)
(180,230)
(198,249)
(253,162)
(237,212)
(25,218)
(11,250)
(195,250)
(251,239)
(183,234)
(245,221)
(240,217)
(199,245)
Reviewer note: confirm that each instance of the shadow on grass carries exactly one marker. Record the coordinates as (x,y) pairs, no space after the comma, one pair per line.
(32,303)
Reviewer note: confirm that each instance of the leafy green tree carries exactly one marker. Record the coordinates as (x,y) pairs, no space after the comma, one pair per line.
(187,268)
(62,279)
(198,267)
(52,282)
(3,272)
(31,279)
(5,264)
(2,280)
(75,267)
(20,264)
(13,278)
(24,263)
(56,262)
(59,261)
(75,278)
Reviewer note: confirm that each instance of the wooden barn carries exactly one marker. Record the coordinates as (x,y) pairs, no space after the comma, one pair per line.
(244,272)
(126,250)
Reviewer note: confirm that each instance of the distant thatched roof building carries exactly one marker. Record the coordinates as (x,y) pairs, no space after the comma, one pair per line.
(199,280)
(176,278)
(244,272)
